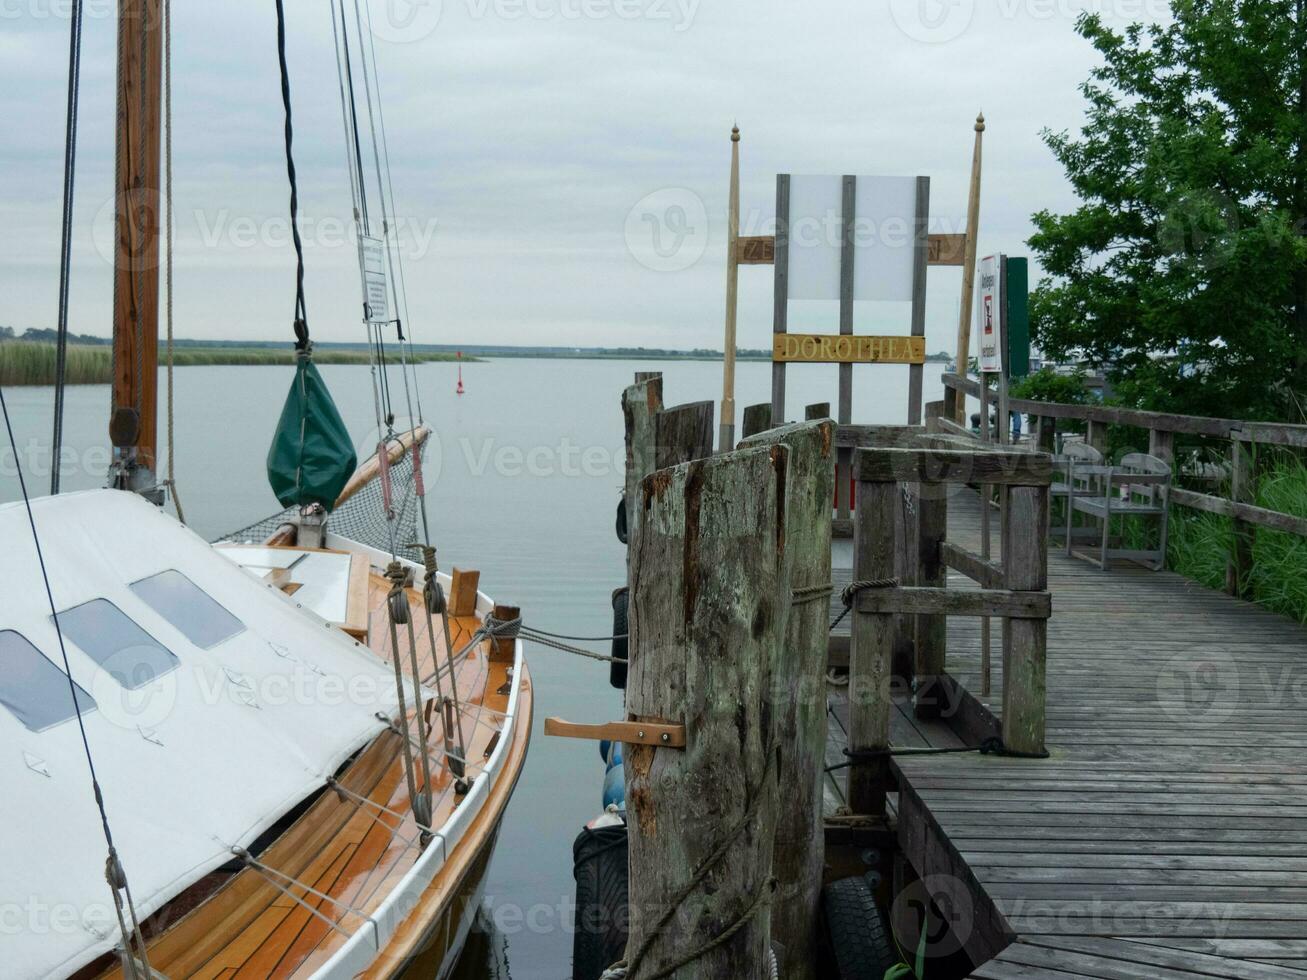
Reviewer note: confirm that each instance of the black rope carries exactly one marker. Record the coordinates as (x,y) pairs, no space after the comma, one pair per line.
(993,745)
(66,235)
(380,345)
(115,874)
(301,312)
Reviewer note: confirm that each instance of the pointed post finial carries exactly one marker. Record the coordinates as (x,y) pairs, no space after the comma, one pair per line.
(735,133)
(980,122)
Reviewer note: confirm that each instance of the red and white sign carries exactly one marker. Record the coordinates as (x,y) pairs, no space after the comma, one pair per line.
(989,315)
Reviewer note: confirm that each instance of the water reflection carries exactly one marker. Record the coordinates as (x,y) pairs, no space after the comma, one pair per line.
(485,957)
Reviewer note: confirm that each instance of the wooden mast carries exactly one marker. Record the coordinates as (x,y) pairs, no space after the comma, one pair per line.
(969,269)
(134,422)
(726,437)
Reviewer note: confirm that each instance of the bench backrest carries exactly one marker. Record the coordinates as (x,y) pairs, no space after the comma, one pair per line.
(1082,452)
(1143,475)
(1144,463)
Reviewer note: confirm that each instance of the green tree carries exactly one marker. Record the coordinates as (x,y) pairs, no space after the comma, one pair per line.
(1184,269)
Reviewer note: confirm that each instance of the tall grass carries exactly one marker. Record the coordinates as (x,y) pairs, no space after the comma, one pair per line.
(28,363)
(1200,544)
(25,363)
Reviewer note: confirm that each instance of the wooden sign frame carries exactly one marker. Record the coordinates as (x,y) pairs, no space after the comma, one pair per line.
(947,249)
(780,317)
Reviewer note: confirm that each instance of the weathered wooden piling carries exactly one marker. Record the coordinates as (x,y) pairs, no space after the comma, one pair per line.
(757,418)
(816,411)
(931,628)
(1025,641)
(799,692)
(871,649)
(641,403)
(710,596)
(683,433)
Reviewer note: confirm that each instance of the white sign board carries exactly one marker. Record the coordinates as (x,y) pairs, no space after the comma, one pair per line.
(989,314)
(374,280)
(884,221)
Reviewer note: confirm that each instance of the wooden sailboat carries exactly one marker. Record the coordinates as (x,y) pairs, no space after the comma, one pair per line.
(304,743)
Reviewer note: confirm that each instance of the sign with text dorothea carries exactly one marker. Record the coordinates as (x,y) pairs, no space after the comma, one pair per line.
(989,314)
(847,349)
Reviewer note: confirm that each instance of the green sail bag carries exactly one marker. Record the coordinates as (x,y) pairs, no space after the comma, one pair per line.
(312,456)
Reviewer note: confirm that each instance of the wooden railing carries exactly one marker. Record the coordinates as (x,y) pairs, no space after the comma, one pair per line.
(1163,427)
(915,608)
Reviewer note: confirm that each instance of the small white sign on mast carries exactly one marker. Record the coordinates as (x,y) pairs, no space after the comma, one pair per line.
(989,316)
(377,308)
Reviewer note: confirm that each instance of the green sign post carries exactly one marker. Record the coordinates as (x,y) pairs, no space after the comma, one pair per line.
(1017,298)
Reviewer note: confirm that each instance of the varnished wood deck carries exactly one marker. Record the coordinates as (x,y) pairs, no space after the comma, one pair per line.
(352,855)
(1167,835)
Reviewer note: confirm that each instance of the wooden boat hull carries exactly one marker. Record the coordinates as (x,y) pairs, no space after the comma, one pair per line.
(439,944)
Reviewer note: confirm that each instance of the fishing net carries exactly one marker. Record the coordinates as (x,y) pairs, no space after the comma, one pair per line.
(362,517)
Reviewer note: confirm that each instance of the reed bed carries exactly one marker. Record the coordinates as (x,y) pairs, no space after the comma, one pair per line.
(1200,543)
(27,363)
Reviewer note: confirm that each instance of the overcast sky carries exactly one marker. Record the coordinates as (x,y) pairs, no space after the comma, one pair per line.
(537,148)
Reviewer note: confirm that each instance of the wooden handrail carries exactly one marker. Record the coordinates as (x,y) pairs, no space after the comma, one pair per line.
(1162,428)
(1268,433)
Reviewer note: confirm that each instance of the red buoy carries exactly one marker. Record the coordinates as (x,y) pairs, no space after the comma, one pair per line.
(459,389)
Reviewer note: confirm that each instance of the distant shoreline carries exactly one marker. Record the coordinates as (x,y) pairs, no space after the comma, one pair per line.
(27,361)
(24,362)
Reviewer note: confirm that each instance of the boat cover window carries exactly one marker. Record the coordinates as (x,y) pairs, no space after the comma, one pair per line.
(131,656)
(194,613)
(32,688)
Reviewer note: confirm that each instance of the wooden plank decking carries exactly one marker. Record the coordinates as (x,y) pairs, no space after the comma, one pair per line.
(1167,834)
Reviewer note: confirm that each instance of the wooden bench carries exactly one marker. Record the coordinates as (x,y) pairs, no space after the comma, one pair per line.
(1078,471)
(1138,487)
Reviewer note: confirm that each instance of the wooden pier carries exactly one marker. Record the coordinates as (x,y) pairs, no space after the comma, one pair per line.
(1107,782)
(1166,835)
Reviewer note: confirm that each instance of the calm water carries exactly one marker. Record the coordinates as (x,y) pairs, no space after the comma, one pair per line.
(523,486)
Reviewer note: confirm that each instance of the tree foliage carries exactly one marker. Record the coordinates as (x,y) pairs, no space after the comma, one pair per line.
(1184,269)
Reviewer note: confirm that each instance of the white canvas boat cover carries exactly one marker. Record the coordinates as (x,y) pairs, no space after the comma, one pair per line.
(212,706)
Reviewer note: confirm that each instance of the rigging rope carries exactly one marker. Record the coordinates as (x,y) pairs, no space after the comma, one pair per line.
(66,234)
(387,209)
(398,608)
(401,306)
(433,601)
(115,874)
(389,237)
(301,319)
(168,222)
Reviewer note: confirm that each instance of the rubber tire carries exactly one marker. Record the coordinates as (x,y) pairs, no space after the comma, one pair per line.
(859,938)
(622,532)
(602,913)
(617,667)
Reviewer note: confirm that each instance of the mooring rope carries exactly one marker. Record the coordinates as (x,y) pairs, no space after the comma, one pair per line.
(994,745)
(850,592)
(626,969)
(811,593)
